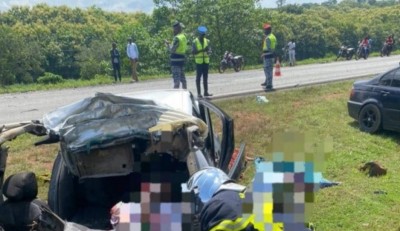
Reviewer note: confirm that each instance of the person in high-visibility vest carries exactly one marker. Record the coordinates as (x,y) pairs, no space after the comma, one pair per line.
(268,55)
(201,50)
(228,206)
(178,55)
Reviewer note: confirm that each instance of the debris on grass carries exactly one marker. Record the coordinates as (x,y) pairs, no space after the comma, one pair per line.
(373,169)
(261,99)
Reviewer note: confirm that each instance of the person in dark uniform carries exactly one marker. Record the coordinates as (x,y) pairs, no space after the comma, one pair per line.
(201,50)
(221,198)
(116,62)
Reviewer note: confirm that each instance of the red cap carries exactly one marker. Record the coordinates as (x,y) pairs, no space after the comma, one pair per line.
(266,26)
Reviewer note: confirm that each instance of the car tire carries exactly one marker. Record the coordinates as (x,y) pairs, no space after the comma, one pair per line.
(370,118)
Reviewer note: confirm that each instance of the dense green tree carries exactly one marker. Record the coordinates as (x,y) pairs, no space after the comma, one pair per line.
(74,42)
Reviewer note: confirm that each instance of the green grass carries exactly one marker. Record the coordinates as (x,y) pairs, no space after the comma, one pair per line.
(320,110)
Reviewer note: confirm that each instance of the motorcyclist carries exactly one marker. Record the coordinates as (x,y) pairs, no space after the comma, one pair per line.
(364,44)
(389,43)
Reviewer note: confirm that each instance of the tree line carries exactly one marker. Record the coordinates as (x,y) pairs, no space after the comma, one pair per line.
(74,43)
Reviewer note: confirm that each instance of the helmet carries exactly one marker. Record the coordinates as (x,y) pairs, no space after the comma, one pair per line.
(207,181)
(202,29)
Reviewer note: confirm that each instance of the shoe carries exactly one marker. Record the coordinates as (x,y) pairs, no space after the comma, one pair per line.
(263,84)
(269,88)
(199,96)
(208,94)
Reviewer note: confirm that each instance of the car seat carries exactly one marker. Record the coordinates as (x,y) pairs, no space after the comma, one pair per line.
(21,208)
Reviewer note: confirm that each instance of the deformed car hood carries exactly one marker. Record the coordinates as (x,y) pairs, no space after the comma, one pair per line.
(106,120)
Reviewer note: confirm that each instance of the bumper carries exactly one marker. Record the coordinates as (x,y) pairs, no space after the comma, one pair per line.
(353,109)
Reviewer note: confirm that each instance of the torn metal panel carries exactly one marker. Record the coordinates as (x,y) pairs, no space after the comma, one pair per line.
(91,130)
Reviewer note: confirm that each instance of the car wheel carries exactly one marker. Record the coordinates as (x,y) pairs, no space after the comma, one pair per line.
(369,118)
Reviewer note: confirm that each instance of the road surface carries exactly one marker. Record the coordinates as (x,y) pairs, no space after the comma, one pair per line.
(33,105)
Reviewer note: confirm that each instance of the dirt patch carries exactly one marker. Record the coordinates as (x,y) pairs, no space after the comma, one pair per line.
(332,96)
(298,104)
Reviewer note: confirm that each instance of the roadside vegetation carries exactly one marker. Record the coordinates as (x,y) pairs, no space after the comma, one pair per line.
(320,110)
(52,45)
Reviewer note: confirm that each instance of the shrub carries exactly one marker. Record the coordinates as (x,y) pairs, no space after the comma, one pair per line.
(50,78)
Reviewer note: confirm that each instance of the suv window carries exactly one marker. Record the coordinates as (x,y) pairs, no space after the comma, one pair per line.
(396,79)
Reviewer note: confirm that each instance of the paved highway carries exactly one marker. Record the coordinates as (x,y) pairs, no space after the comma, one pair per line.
(33,105)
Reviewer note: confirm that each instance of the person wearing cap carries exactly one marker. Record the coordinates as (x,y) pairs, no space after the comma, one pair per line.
(116,62)
(133,55)
(268,55)
(201,50)
(177,55)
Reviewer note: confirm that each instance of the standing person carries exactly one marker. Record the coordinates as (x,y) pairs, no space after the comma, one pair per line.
(268,55)
(116,62)
(177,55)
(292,52)
(133,55)
(201,51)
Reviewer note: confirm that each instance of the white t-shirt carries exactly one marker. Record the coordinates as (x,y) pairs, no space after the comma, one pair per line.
(291,45)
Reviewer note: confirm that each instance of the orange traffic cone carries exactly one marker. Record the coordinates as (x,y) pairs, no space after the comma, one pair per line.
(277,68)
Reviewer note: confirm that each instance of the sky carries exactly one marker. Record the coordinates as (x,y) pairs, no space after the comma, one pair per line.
(119,5)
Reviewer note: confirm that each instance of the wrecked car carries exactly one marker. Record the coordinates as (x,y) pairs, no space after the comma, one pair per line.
(116,150)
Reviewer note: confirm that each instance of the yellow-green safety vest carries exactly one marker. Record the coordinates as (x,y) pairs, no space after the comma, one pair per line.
(272,39)
(181,50)
(201,57)
(241,223)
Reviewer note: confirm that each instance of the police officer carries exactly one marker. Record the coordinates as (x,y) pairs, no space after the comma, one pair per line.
(201,50)
(268,55)
(177,55)
(222,201)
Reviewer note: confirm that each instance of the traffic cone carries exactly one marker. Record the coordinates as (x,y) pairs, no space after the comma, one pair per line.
(277,68)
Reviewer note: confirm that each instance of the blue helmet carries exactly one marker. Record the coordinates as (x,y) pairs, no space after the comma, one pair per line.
(207,181)
(202,29)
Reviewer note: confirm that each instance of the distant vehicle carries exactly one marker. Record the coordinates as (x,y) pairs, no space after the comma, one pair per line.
(362,52)
(375,103)
(345,52)
(386,49)
(229,60)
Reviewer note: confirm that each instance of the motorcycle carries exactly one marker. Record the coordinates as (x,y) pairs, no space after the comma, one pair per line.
(345,52)
(386,49)
(362,52)
(229,60)
(111,149)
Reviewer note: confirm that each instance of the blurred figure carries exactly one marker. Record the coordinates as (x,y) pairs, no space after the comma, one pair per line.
(116,62)
(268,55)
(201,50)
(178,50)
(292,52)
(133,55)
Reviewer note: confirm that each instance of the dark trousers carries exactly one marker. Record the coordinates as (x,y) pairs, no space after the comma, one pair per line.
(117,71)
(202,70)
